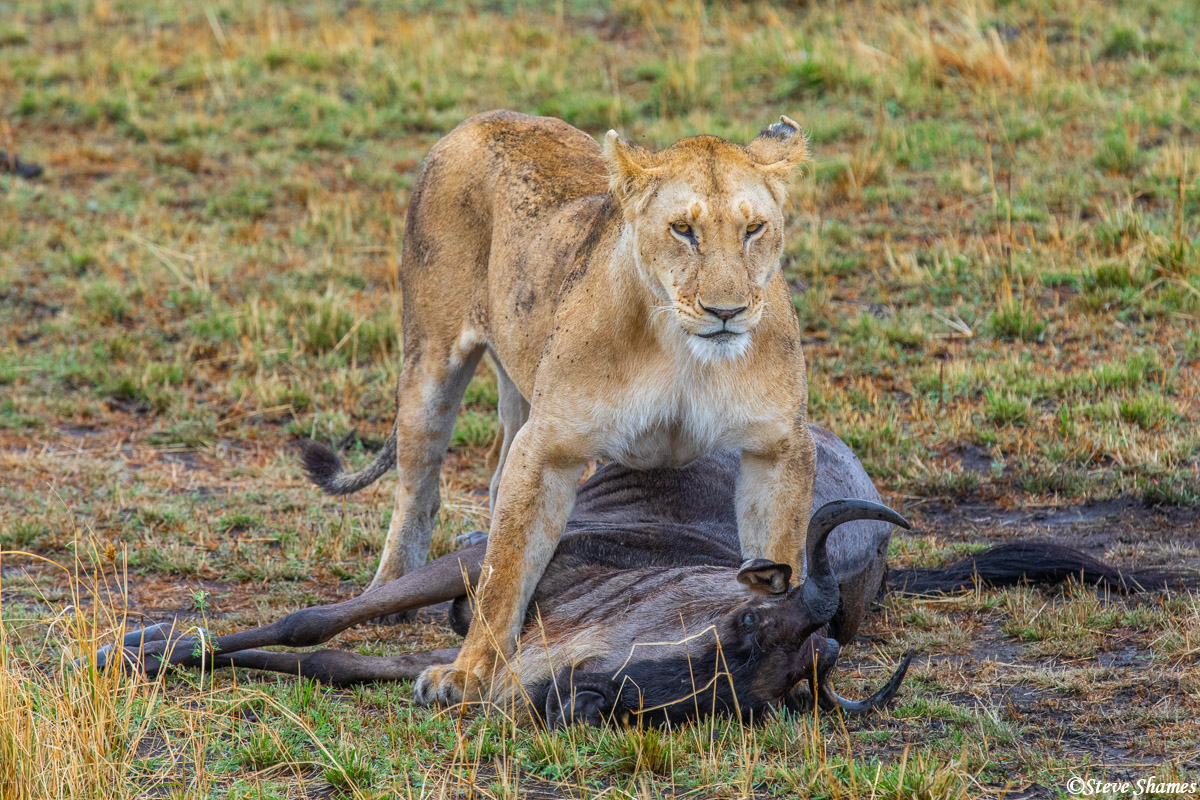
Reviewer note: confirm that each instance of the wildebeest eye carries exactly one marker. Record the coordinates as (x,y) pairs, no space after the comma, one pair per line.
(749,620)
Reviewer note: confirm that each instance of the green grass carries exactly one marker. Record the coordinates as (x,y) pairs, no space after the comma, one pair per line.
(996,247)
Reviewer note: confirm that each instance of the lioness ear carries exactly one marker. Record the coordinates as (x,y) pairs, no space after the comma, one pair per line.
(780,147)
(629,170)
(765,577)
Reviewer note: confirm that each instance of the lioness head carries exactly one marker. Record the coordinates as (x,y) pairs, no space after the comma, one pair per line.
(706,217)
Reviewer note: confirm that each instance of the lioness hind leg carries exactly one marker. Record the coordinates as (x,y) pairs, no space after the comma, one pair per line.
(427,402)
(513,411)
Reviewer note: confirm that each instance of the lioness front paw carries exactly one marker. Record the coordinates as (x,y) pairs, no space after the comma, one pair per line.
(445,685)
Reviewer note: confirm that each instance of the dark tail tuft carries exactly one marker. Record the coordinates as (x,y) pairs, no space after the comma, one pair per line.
(321,463)
(325,469)
(1035,562)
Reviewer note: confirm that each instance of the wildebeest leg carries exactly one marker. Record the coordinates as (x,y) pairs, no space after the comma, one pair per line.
(22,169)
(132,646)
(336,666)
(435,582)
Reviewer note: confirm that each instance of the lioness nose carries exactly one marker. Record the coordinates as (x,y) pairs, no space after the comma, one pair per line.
(724,314)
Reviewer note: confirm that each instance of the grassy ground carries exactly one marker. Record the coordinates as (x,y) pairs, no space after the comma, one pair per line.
(996,262)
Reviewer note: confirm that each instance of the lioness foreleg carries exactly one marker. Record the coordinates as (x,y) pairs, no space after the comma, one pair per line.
(774,500)
(513,410)
(537,492)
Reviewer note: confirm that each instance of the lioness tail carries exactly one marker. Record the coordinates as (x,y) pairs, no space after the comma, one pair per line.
(325,469)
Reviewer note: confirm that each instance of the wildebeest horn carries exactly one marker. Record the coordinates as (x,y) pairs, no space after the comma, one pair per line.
(829,699)
(819,593)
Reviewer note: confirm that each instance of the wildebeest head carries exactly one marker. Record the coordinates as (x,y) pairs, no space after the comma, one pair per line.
(748,659)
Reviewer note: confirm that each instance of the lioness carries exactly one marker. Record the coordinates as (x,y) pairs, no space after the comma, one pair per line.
(634,306)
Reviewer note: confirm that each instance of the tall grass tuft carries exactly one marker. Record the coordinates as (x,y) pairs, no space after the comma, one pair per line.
(68,730)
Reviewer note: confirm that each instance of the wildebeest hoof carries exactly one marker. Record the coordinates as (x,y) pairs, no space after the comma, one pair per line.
(150,649)
(443,685)
(470,539)
(22,169)
(131,647)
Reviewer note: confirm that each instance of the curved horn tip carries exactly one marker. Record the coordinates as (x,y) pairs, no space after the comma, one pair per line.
(828,699)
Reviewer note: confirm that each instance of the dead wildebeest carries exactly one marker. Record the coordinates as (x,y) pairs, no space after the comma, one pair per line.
(647,609)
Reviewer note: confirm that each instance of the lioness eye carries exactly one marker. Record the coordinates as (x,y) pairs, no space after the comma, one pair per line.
(753,228)
(682,228)
(749,621)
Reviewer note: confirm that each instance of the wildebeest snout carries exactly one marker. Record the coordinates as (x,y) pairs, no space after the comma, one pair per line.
(815,659)
(581,699)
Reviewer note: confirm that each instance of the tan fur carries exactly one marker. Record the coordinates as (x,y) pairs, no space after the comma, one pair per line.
(526,239)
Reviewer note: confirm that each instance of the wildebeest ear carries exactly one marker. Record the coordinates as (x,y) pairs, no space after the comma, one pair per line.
(780,147)
(767,577)
(630,168)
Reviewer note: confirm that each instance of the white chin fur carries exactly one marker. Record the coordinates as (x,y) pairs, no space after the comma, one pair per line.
(708,351)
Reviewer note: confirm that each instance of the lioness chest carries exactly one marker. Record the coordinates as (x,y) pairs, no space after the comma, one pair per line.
(665,414)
